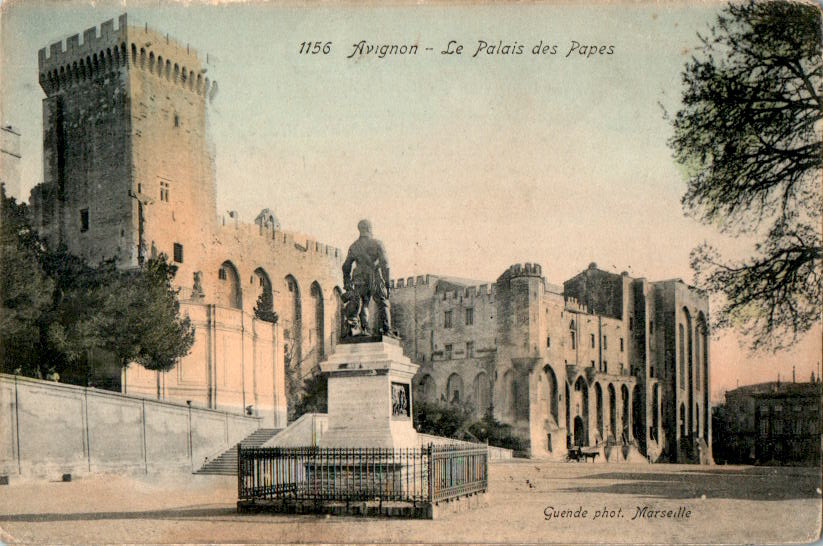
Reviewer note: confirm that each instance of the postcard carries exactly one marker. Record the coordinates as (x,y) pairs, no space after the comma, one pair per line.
(410,272)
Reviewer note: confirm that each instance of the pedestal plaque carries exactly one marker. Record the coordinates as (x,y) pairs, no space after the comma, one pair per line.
(369,396)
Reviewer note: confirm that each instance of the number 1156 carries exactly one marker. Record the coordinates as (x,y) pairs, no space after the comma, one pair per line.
(315,48)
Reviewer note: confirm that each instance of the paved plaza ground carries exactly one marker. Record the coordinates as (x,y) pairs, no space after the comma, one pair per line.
(723,504)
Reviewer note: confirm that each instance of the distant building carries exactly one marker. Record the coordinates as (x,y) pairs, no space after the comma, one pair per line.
(604,360)
(10,160)
(770,422)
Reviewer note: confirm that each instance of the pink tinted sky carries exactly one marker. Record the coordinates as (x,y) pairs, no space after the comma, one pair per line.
(465,165)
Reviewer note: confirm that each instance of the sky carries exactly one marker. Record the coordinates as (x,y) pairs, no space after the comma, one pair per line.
(464,163)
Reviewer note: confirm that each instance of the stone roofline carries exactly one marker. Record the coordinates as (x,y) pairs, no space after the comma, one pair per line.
(106,35)
(287,239)
(105,49)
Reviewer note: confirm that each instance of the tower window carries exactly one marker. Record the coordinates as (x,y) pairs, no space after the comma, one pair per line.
(164,191)
(605,343)
(448,350)
(176,120)
(592,336)
(548,341)
(84,220)
(469,316)
(178,253)
(621,344)
(447,319)
(470,349)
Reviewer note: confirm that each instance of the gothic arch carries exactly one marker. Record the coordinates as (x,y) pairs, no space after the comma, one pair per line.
(482,391)
(454,389)
(337,317)
(581,411)
(655,412)
(292,319)
(509,402)
(551,378)
(612,411)
(624,394)
(319,329)
(689,364)
(637,413)
(428,386)
(703,334)
(598,397)
(230,293)
(264,301)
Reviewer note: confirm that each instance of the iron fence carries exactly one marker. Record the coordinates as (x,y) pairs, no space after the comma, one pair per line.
(429,474)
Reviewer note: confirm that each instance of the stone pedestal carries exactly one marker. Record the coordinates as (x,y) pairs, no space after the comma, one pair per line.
(369,396)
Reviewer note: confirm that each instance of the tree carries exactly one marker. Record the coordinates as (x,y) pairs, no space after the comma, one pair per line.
(139,318)
(748,137)
(314,396)
(264,310)
(25,290)
(55,309)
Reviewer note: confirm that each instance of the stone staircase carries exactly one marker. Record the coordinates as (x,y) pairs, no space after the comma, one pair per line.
(226,463)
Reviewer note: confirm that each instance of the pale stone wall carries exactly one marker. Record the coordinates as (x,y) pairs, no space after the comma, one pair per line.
(50,428)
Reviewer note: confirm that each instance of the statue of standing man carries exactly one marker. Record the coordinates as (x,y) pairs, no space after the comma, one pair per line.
(369,279)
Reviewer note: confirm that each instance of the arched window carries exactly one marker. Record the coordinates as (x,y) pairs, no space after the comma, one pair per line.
(337,318)
(509,402)
(292,318)
(598,397)
(573,335)
(482,391)
(454,389)
(581,430)
(613,432)
(428,387)
(682,353)
(551,378)
(624,394)
(319,331)
(655,410)
(264,308)
(229,292)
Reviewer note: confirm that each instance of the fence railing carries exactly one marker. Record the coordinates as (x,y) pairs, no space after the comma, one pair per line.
(429,474)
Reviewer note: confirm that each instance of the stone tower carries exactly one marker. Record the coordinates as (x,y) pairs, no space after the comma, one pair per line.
(128,169)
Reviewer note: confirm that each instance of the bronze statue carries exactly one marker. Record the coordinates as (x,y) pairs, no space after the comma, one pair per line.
(370,279)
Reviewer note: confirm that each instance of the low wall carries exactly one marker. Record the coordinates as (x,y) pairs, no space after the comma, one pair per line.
(495,453)
(49,428)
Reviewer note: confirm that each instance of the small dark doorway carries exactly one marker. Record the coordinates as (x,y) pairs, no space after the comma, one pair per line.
(579,432)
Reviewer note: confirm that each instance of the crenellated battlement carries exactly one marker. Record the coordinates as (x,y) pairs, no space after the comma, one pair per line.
(472,293)
(286,239)
(527,269)
(64,65)
(411,282)
(571,304)
(60,54)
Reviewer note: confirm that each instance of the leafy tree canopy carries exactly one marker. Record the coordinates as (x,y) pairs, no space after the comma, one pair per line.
(748,135)
(56,308)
